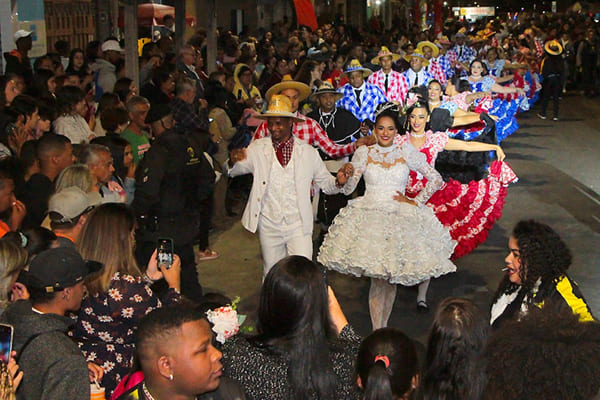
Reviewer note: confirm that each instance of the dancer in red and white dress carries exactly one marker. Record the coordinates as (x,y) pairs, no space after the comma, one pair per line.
(467,210)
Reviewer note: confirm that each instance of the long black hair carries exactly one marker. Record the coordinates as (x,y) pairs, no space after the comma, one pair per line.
(386,365)
(453,364)
(293,319)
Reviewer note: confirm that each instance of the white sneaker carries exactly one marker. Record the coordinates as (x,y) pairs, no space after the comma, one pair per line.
(541,116)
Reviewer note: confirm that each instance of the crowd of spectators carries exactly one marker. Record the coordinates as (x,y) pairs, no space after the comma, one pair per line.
(94,166)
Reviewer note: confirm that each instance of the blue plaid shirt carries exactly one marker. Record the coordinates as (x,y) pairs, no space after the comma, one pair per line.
(371,96)
(444,62)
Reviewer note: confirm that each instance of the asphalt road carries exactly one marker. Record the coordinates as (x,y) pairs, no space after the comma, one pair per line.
(559,182)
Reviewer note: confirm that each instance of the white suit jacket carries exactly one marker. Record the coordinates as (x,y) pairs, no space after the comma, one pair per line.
(308,167)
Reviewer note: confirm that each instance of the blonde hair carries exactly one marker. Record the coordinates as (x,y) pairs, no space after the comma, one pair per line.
(78,175)
(107,237)
(13,260)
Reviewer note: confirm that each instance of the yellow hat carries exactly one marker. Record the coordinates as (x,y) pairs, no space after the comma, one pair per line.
(288,83)
(552,47)
(418,54)
(279,106)
(356,66)
(385,52)
(432,46)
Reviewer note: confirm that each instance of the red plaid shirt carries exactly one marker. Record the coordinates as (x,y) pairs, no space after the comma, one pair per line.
(311,132)
(397,85)
(284,150)
(435,69)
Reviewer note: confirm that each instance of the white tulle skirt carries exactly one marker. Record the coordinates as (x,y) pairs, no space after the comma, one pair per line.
(389,240)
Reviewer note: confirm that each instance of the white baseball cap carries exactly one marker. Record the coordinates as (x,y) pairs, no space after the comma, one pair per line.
(21,33)
(111,45)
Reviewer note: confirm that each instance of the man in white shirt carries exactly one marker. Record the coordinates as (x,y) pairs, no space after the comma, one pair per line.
(416,74)
(284,168)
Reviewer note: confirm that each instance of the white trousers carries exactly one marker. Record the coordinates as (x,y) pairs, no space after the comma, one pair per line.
(280,240)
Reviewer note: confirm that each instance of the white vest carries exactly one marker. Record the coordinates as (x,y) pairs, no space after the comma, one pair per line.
(280,202)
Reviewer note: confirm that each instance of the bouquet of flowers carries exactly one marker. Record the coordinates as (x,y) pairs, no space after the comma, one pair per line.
(226,321)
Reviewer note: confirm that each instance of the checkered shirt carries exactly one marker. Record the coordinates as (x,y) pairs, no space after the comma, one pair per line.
(435,69)
(186,117)
(468,53)
(311,132)
(445,63)
(423,82)
(397,85)
(371,97)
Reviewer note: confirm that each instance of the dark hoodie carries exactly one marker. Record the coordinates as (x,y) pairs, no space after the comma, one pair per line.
(53,366)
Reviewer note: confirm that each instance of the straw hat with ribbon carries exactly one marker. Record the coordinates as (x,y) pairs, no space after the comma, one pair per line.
(418,54)
(326,87)
(279,106)
(355,66)
(385,52)
(552,47)
(427,43)
(288,83)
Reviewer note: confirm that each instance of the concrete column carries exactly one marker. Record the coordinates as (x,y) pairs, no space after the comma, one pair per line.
(179,24)
(132,66)
(103,21)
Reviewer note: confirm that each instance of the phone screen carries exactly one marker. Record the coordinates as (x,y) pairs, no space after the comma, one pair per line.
(6,338)
(164,253)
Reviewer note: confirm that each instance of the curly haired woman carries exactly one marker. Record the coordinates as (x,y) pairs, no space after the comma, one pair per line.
(536,275)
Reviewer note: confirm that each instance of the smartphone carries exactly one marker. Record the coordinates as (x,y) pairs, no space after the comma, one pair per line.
(164,253)
(6,342)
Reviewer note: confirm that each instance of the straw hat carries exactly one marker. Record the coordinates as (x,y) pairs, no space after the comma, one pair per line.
(443,40)
(385,52)
(552,47)
(418,54)
(427,43)
(288,83)
(326,87)
(355,66)
(279,106)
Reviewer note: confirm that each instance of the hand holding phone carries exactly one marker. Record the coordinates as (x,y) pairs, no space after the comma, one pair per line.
(6,342)
(164,253)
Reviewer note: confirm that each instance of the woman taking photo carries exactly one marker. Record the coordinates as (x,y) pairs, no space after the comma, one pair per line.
(120,295)
(536,276)
(304,349)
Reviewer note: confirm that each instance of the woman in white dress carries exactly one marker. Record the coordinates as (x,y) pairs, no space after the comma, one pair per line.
(384,235)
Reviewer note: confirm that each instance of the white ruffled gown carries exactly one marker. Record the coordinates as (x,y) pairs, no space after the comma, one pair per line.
(379,237)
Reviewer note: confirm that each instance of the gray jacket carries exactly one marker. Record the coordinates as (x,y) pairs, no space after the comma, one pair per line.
(53,366)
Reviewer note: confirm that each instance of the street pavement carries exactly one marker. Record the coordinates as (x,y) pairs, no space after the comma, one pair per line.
(559,182)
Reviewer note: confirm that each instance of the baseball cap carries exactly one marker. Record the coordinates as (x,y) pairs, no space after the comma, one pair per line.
(69,203)
(56,269)
(111,45)
(21,33)
(158,112)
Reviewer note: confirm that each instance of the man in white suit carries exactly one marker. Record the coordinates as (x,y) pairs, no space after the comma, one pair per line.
(283,166)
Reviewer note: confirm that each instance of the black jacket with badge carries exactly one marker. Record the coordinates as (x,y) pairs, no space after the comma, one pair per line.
(171,181)
(53,366)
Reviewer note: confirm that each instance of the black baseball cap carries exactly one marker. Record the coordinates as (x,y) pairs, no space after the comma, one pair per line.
(56,269)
